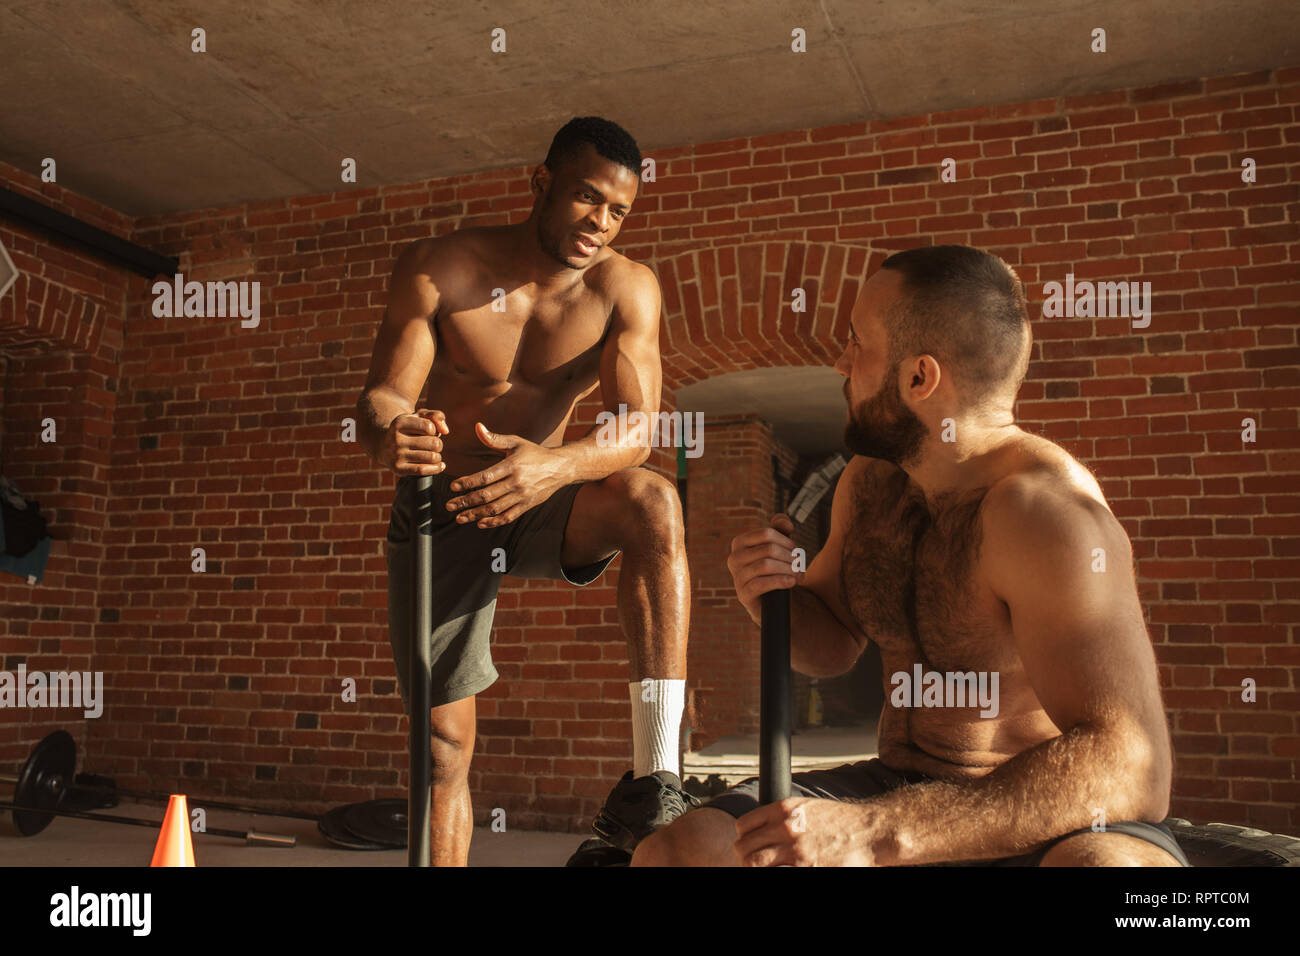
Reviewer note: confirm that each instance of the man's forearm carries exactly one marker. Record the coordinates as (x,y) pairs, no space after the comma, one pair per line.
(820,646)
(1037,795)
(375,411)
(591,458)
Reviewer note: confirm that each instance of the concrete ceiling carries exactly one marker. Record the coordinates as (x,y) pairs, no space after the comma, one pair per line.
(412,90)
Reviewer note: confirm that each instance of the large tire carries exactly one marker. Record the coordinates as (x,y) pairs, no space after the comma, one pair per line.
(1222,844)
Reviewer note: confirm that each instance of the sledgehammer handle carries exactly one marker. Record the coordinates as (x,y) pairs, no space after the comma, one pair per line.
(774,699)
(421,759)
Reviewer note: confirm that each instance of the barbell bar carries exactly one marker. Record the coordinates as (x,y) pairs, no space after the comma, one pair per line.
(157,796)
(251,837)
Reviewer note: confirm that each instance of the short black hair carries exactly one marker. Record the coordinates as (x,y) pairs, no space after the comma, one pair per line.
(611,141)
(967,308)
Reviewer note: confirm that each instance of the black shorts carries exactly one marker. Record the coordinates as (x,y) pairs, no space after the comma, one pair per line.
(871,778)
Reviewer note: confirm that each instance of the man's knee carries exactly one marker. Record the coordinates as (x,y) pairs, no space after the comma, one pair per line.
(452,744)
(450,762)
(1106,849)
(702,837)
(658,849)
(650,502)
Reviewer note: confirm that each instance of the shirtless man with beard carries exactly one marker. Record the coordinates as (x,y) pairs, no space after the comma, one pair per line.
(965,545)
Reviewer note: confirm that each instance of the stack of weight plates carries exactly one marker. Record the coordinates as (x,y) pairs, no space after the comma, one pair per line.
(373,825)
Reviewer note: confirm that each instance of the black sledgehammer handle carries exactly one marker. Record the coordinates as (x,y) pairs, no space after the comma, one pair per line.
(418,809)
(774,701)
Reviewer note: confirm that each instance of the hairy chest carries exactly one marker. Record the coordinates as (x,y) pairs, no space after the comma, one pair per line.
(911,576)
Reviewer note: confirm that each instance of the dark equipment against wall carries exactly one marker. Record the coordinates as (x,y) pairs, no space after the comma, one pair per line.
(43,784)
(50,766)
(46,781)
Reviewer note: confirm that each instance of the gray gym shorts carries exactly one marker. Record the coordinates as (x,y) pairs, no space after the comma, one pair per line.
(465,584)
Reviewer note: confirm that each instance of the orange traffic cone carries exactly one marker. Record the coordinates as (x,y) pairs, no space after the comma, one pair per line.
(174,845)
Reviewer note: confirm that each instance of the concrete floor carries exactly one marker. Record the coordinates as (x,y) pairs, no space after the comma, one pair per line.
(72,842)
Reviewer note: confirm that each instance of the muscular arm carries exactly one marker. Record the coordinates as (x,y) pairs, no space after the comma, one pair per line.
(630,375)
(404,349)
(1086,652)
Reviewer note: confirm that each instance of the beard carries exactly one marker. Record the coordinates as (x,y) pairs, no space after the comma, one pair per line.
(883,427)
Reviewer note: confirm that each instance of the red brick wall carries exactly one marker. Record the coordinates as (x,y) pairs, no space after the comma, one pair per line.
(61,340)
(229,438)
(732,491)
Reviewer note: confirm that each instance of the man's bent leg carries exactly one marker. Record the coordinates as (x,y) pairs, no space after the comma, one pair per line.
(1107,849)
(451,822)
(707,836)
(703,837)
(638,512)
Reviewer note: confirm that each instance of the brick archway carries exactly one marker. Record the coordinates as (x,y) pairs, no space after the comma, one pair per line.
(728,308)
(43,311)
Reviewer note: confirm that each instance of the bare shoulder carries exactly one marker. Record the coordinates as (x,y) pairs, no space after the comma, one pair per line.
(451,258)
(1047,500)
(630,290)
(616,275)
(1039,466)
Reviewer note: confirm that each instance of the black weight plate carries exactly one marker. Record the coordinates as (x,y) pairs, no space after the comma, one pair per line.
(44,778)
(380,821)
(334,830)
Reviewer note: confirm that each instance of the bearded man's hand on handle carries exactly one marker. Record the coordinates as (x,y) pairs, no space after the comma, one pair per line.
(413,444)
(761,564)
(762,561)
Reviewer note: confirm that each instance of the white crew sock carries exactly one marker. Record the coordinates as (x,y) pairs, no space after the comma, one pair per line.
(657,707)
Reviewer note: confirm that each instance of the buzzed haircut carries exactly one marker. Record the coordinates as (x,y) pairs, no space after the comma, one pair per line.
(967,308)
(611,141)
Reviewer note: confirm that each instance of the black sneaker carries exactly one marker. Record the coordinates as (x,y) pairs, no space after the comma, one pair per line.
(596,852)
(636,808)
